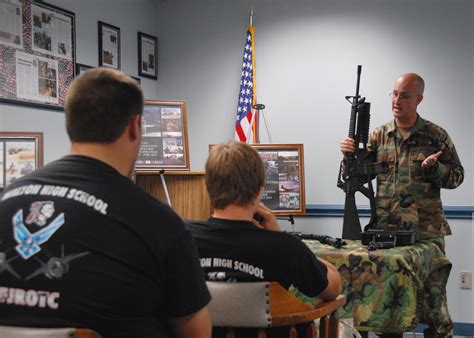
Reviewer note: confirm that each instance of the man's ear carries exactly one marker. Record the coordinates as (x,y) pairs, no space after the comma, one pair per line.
(259,195)
(419,99)
(135,127)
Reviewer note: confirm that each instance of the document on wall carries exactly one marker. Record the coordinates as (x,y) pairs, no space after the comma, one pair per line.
(110,48)
(37,78)
(51,32)
(11,23)
(148,56)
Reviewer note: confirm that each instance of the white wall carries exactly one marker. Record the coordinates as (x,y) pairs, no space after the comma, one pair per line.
(131,16)
(306,58)
(306,54)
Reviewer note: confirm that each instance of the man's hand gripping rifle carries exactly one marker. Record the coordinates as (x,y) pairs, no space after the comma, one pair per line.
(358,168)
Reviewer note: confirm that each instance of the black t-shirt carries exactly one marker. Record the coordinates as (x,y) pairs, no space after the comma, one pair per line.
(82,246)
(238,251)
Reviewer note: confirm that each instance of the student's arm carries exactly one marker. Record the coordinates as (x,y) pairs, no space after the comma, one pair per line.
(195,325)
(266,219)
(334,287)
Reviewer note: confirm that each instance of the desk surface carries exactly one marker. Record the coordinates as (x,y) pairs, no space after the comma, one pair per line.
(386,289)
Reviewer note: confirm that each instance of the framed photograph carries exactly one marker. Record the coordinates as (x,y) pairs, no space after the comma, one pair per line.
(165,137)
(147,56)
(139,81)
(37,53)
(80,68)
(20,154)
(109,45)
(283,191)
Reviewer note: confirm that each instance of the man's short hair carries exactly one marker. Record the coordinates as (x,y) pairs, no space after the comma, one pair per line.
(99,105)
(234,174)
(420,84)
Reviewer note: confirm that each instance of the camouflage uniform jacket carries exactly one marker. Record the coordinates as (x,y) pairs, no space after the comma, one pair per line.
(408,196)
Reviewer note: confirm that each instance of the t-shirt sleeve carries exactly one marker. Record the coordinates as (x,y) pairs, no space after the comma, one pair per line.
(186,288)
(310,274)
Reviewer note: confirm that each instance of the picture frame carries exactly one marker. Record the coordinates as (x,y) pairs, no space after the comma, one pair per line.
(37,53)
(284,187)
(20,154)
(109,45)
(81,68)
(164,137)
(139,81)
(147,56)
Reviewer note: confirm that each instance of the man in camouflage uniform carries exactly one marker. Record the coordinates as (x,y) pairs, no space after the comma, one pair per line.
(421,160)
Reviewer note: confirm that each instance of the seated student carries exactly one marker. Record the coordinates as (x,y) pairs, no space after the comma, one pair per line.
(82,246)
(234,246)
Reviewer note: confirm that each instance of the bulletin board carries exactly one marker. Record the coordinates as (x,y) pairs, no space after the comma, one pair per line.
(37,53)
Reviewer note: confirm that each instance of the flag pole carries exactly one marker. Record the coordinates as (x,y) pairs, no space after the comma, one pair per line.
(251,16)
(254,120)
(252,110)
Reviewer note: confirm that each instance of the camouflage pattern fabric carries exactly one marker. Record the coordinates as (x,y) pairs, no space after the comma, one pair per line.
(391,290)
(408,196)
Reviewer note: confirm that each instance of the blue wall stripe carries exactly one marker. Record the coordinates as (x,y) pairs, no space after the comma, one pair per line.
(337,210)
(460,329)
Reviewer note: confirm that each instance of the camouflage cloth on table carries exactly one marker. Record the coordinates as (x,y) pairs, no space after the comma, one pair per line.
(408,196)
(392,290)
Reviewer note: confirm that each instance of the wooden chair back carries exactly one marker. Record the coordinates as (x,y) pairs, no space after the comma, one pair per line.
(267,304)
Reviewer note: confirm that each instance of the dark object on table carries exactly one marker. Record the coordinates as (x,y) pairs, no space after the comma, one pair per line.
(335,242)
(380,239)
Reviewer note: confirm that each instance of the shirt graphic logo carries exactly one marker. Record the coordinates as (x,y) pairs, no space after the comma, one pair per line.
(29,244)
(40,212)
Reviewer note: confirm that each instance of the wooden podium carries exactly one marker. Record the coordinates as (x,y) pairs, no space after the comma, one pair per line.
(187,192)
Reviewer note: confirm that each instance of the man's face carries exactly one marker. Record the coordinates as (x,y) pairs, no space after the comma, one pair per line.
(405,99)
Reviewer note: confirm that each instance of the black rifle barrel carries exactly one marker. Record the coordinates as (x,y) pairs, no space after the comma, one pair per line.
(355,104)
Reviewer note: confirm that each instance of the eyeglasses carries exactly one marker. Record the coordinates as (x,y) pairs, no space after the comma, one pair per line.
(401,96)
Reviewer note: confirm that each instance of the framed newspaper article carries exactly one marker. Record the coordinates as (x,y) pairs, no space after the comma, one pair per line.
(147,56)
(20,154)
(165,137)
(81,68)
(109,45)
(37,53)
(283,191)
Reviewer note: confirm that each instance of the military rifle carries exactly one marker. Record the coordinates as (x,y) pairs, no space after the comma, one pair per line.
(358,168)
(335,242)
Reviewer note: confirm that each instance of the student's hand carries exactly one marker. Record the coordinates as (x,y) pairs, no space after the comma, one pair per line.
(266,219)
(431,160)
(347,145)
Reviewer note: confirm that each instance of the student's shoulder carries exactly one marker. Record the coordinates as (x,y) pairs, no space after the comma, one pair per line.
(287,240)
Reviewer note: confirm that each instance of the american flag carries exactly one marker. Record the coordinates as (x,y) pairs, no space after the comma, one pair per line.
(247,94)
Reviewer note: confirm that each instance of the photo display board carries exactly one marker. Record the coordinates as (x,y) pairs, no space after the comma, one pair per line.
(20,154)
(283,191)
(37,53)
(165,137)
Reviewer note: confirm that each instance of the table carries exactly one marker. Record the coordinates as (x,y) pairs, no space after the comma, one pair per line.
(390,290)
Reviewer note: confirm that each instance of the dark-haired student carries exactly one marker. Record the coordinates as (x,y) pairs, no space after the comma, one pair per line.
(82,246)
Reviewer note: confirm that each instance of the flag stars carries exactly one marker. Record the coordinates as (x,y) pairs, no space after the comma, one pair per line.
(246,89)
